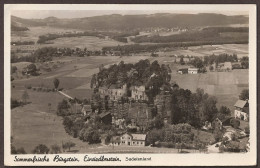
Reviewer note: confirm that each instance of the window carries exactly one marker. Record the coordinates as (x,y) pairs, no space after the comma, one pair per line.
(141,143)
(133,142)
(137,143)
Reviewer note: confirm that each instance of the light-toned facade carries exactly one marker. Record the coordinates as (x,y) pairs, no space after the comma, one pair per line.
(138,93)
(242,110)
(193,70)
(113,93)
(133,139)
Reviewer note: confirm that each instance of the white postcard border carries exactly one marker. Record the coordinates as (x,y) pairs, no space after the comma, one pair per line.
(234,159)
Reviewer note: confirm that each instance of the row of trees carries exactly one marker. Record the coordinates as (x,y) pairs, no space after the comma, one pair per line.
(47,53)
(119,36)
(221,58)
(22,43)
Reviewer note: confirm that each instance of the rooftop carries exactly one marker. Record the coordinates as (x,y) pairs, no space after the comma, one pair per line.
(139,137)
(240,103)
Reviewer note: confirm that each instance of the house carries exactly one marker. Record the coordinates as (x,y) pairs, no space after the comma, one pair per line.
(113,91)
(193,70)
(183,71)
(115,141)
(242,110)
(217,124)
(138,93)
(106,117)
(133,139)
(227,66)
(86,109)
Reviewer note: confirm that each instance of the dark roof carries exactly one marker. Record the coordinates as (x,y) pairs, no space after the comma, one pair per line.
(115,139)
(104,114)
(240,103)
(183,69)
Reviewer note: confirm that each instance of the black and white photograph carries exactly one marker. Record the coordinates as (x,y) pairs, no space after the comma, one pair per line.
(130,84)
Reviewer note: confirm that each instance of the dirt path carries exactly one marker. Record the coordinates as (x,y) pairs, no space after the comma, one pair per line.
(64,94)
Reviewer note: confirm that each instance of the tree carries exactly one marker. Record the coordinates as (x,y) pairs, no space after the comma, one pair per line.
(25,96)
(89,135)
(32,70)
(55,149)
(244,95)
(211,68)
(68,145)
(235,123)
(41,149)
(224,110)
(21,151)
(245,62)
(154,136)
(218,134)
(13,69)
(56,83)
(63,108)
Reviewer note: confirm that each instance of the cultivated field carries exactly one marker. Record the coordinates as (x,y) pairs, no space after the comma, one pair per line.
(239,49)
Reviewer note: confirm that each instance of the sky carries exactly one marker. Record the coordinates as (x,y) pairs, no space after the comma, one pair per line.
(40,14)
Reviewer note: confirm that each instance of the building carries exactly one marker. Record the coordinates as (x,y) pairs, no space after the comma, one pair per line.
(183,71)
(227,66)
(133,139)
(86,109)
(113,92)
(217,124)
(115,141)
(242,110)
(138,93)
(193,70)
(106,117)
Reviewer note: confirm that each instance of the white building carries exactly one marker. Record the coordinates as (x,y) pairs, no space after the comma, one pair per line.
(133,139)
(193,70)
(242,110)
(138,93)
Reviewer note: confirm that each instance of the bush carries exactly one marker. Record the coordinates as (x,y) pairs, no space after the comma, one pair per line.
(28,86)
(235,123)
(41,149)
(247,130)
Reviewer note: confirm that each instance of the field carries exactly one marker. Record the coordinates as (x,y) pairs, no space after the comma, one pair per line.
(239,49)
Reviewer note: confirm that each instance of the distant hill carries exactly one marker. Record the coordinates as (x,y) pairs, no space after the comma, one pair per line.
(130,22)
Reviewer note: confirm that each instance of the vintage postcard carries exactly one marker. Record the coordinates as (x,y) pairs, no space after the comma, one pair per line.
(130,85)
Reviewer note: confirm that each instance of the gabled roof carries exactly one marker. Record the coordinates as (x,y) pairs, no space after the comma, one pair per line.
(193,69)
(140,137)
(104,114)
(240,103)
(115,139)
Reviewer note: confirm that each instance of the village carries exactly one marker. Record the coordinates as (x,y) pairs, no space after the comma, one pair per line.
(128,111)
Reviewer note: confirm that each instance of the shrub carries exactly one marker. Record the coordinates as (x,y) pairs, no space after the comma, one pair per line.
(41,149)
(28,86)
(235,123)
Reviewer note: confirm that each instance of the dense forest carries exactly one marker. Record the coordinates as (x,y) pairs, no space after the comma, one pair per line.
(213,34)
